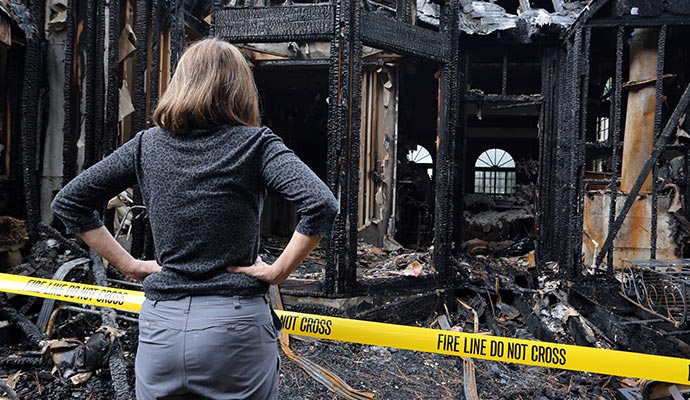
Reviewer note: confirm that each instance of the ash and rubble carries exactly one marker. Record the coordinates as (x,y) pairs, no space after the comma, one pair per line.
(495,294)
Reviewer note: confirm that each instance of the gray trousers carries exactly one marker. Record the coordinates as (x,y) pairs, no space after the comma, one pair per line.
(207,347)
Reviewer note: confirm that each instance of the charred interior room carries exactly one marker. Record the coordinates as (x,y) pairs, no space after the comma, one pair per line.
(512,167)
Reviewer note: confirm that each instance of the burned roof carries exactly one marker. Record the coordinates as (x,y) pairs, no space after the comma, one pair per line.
(483,17)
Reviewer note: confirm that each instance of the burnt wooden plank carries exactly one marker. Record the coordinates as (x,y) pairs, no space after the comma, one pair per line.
(646,8)
(642,8)
(275,24)
(386,33)
(678,6)
(534,324)
(631,337)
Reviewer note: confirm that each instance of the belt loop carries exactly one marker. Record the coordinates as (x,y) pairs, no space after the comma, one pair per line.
(189,304)
(236,301)
(155,303)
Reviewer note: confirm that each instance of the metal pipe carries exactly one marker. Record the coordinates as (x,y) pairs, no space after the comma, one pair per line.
(638,139)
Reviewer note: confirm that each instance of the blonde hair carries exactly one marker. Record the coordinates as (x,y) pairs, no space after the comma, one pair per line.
(212,86)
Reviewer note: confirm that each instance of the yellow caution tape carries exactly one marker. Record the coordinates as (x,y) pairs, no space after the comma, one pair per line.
(544,354)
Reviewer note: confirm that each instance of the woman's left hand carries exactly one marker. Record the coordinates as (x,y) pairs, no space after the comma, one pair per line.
(262,271)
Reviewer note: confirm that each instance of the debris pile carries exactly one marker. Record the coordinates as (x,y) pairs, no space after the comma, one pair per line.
(73,351)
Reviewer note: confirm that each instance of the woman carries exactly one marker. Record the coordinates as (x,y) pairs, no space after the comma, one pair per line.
(205,328)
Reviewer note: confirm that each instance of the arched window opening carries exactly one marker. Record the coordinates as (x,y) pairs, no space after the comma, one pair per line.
(421,156)
(494,173)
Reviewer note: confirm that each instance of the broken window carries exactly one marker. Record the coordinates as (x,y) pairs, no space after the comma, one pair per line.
(602,129)
(494,172)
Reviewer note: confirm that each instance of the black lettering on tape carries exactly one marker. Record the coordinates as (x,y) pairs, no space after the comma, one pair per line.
(315,326)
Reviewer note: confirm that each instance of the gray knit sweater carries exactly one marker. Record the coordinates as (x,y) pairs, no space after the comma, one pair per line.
(204,192)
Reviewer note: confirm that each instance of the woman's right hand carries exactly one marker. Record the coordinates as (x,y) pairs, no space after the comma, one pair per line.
(140,269)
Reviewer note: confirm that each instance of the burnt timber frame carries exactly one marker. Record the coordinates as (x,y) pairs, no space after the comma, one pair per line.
(565,123)
(31,120)
(347,25)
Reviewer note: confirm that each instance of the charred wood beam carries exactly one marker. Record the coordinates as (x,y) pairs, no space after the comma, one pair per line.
(446,174)
(69,146)
(154,74)
(333,159)
(632,337)
(348,135)
(118,368)
(52,233)
(347,278)
(21,361)
(563,143)
(405,11)
(581,80)
(99,98)
(686,162)
(546,211)
(637,22)
(91,54)
(638,8)
(386,33)
(572,125)
(643,8)
(112,94)
(197,25)
(177,39)
(658,93)
(615,113)
(534,324)
(345,92)
(461,61)
(216,6)
(15,76)
(291,63)
(141,31)
(659,146)
(584,17)
(140,115)
(31,93)
(275,24)
(35,335)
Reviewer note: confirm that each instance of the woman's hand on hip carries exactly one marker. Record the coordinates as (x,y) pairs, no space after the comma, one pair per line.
(262,271)
(140,269)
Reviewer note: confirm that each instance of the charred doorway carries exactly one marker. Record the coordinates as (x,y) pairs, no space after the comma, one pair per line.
(417,148)
(293,105)
(501,116)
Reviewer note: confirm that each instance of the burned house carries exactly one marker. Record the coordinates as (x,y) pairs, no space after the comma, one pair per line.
(448,127)
(434,123)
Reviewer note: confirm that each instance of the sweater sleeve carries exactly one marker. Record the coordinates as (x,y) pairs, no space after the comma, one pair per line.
(77,203)
(283,172)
